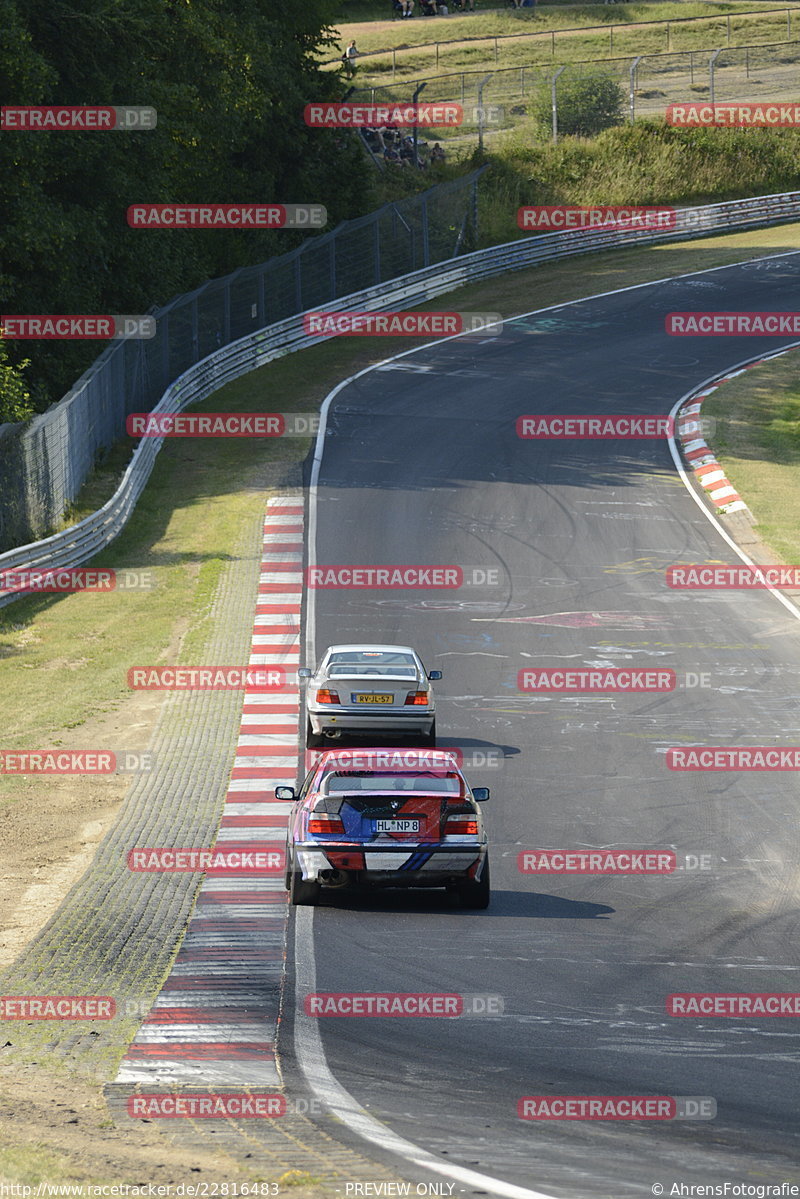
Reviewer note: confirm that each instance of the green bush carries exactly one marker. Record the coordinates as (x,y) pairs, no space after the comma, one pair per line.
(15,399)
(587,104)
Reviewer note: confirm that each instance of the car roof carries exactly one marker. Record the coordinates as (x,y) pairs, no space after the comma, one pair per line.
(371,648)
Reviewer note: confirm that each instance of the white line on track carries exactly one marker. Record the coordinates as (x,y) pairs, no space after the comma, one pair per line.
(311,1056)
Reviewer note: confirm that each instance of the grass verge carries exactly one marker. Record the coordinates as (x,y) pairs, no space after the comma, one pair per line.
(757,441)
(64,657)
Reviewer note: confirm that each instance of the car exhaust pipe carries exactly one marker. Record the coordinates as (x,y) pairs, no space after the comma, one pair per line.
(333,734)
(335,878)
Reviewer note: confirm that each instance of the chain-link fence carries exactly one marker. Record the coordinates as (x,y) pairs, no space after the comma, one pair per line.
(44,462)
(494,99)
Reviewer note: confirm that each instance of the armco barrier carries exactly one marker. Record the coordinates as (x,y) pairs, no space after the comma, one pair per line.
(82,541)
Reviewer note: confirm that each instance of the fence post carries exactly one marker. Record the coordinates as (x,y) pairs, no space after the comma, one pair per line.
(495,51)
(332,244)
(226,312)
(426,244)
(691,67)
(554,102)
(195,332)
(437,54)
(298,283)
(611,39)
(481,86)
(376,249)
(788,22)
(394,63)
(462,89)
(747,62)
(669,36)
(712,60)
(163,331)
(729,29)
(262,297)
(632,89)
(552,43)
(522,81)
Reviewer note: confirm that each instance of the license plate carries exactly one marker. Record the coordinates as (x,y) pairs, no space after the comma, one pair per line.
(371,698)
(397,826)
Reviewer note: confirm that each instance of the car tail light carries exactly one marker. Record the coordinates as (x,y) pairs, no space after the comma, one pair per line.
(327,697)
(418,698)
(323,822)
(462,825)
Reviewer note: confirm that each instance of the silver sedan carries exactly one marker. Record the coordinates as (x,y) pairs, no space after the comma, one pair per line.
(369,689)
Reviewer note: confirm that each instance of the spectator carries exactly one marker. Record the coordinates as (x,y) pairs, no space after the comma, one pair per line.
(349,59)
(437,153)
(428,8)
(408,7)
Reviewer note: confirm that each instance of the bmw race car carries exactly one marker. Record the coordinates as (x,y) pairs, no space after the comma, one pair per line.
(369,689)
(386,818)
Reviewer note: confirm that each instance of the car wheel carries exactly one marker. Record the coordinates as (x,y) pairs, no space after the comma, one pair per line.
(303,892)
(476,895)
(430,738)
(313,740)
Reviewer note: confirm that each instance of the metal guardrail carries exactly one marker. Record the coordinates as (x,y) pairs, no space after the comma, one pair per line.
(74,546)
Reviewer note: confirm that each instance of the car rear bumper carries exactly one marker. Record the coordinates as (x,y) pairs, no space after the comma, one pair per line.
(349,721)
(402,865)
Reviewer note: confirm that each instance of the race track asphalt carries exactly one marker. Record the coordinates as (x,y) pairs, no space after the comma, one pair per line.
(422,464)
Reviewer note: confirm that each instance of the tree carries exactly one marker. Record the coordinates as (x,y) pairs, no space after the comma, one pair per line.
(586,103)
(15,399)
(229,80)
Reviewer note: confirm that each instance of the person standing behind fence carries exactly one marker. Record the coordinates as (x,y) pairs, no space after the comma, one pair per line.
(349,59)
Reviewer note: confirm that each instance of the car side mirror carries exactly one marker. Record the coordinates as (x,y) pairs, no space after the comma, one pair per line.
(480,794)
(304,673)
(434,675)
(285,793)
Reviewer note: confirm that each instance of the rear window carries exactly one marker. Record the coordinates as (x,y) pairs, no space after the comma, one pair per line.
(378,662)
(353,781)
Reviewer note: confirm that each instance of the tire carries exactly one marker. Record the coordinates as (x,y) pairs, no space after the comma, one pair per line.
(430,738)
(303,893)
(313,740)
(476,895)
